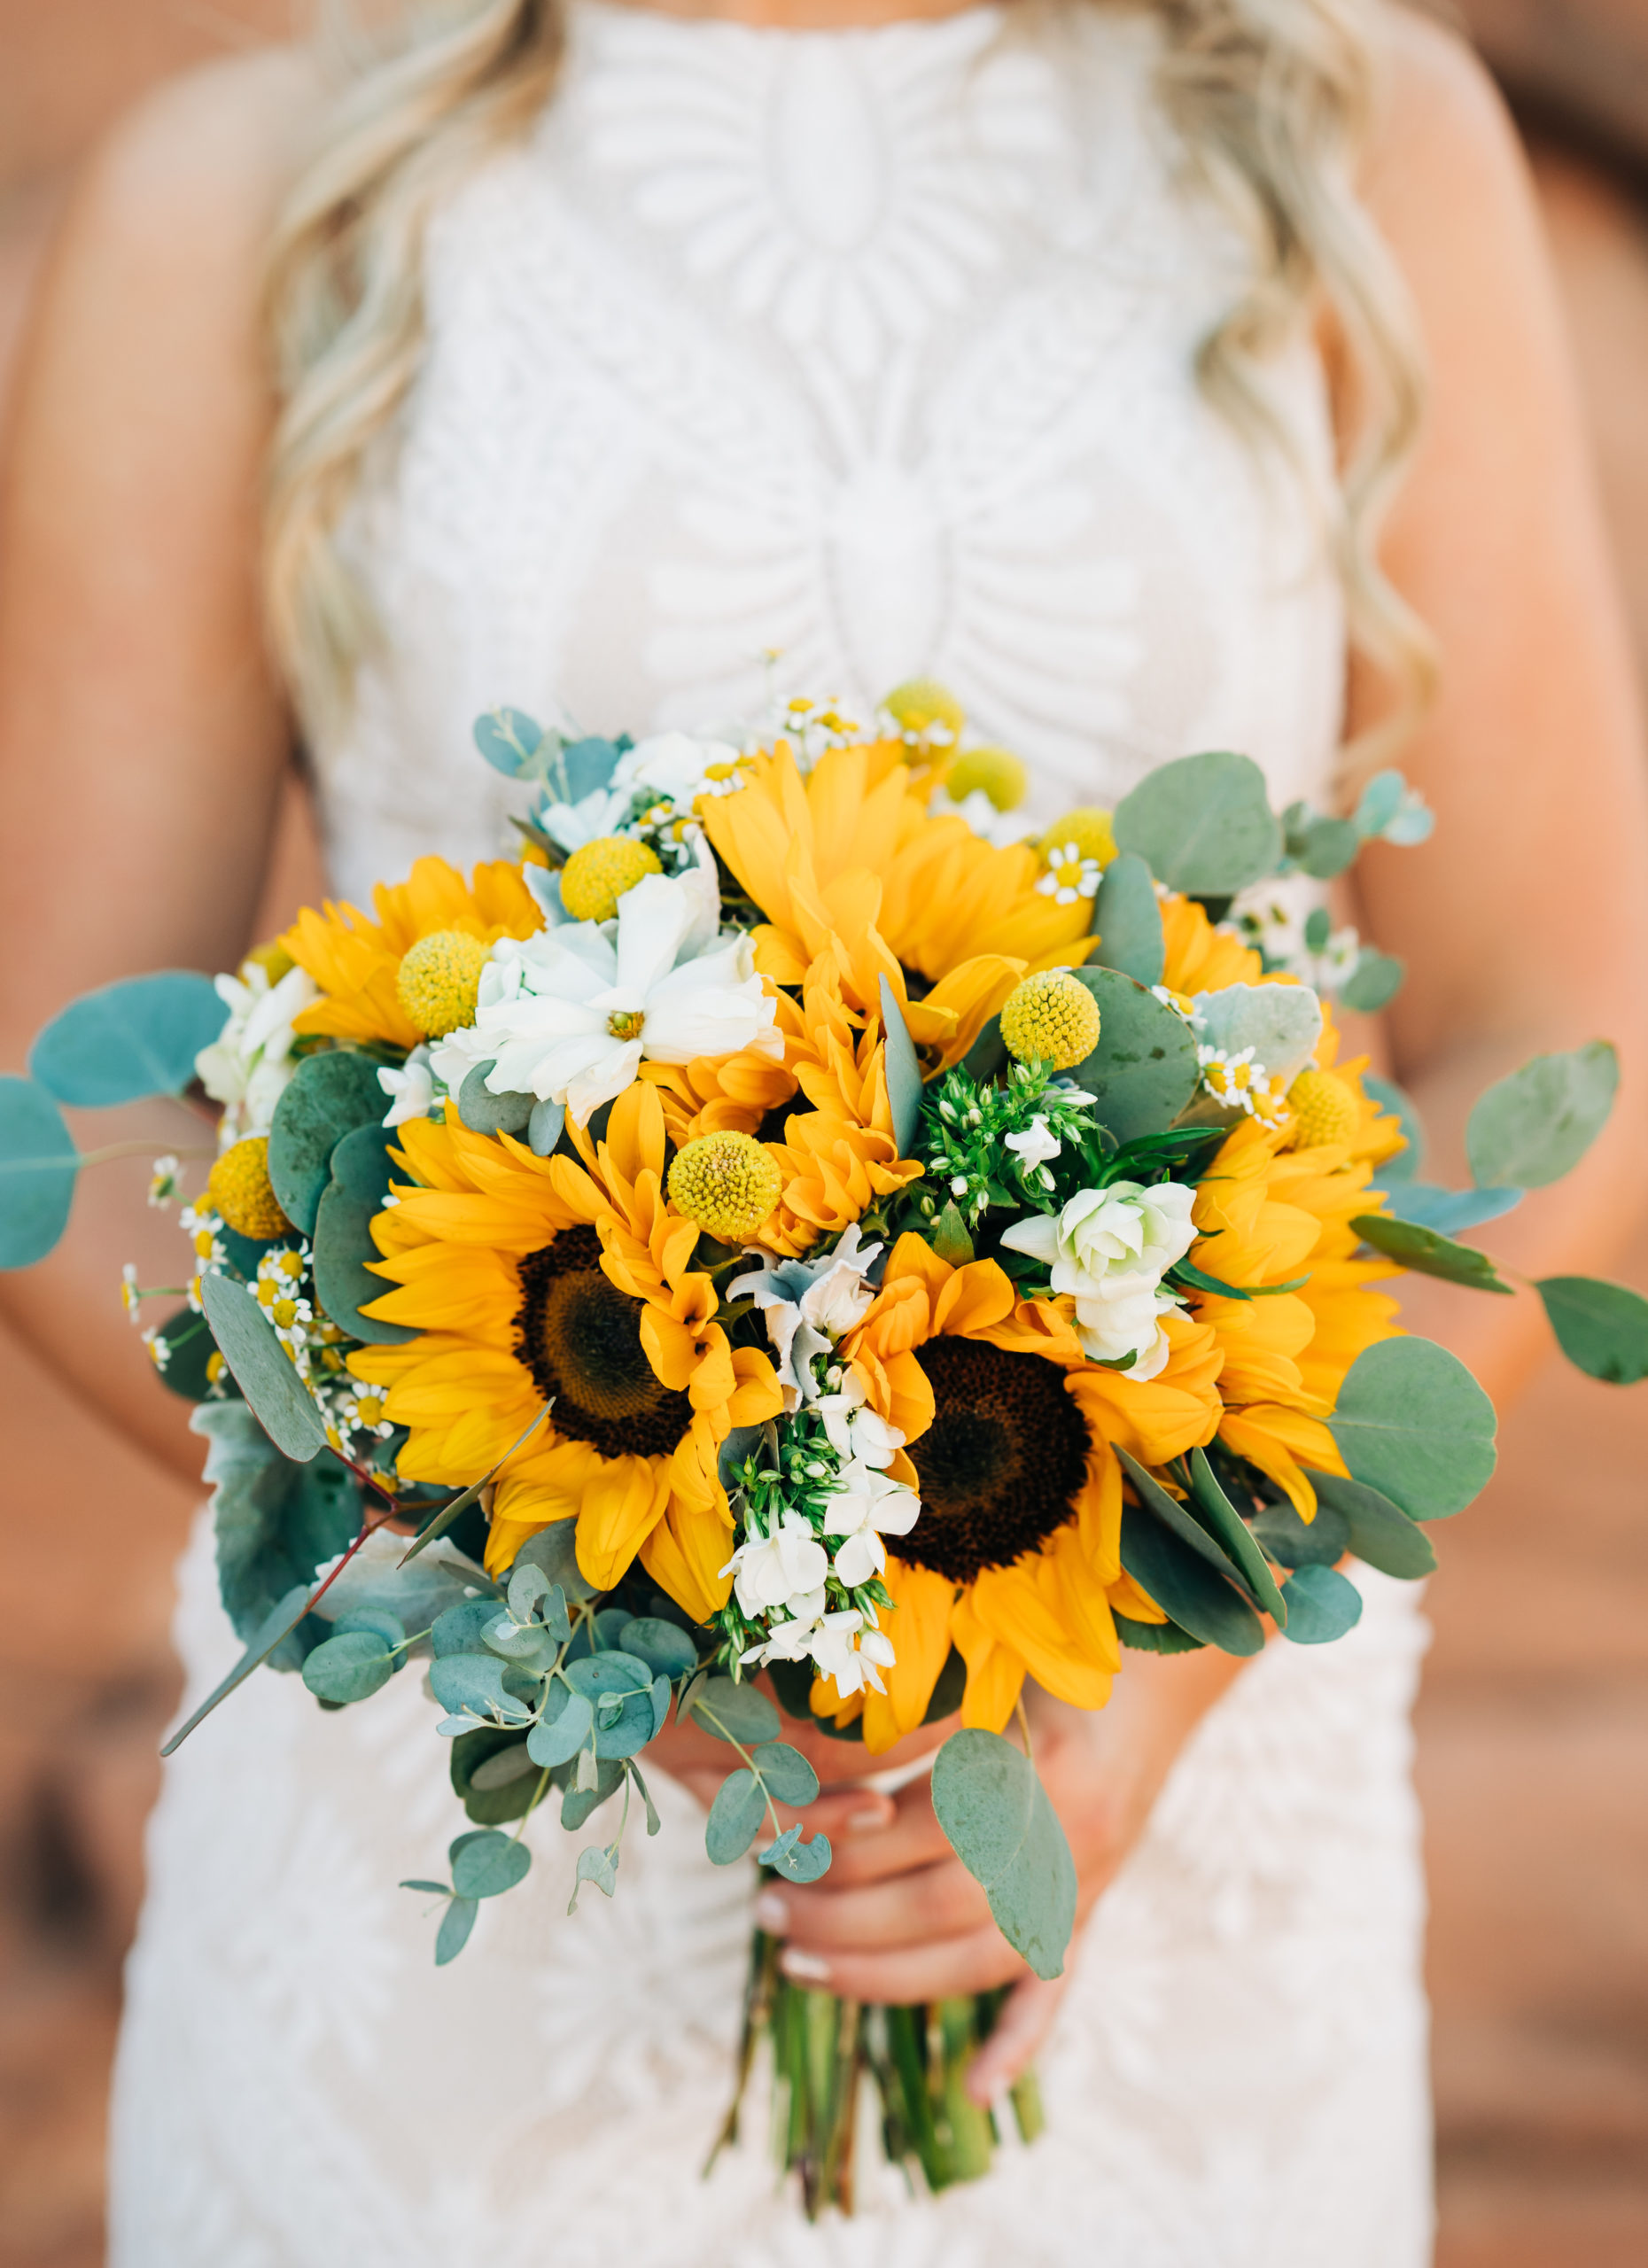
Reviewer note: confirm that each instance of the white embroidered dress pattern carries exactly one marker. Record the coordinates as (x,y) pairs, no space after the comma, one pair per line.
(873,351)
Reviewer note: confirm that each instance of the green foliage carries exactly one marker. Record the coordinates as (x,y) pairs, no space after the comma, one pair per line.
(1191,1531)
(1413,1423)
(1144,1070)
(998,1821)
(329,1096)
(736,1817)
(344,1253)
(789,1778)
(1186,1585)
(189,1347)
(509,739)
(486,1863)
(278,1626)
(1322,1605)
(568,1721)
(949,1237)
(277,1521)
(1226,1525)
(598,1865)
(473,1685)
(1127,920)
(545,1127)
(38,1165)
(1448,1211)
(128,1040)
(1374,981)
(493,1774)
(1603,1328)
(1280,1022)
(263,1370)
(987,1058)
(1328,848)
(1379,1532)
(1155,1637)
(555,1549)
(578,1803)
(454,1933)
(1428,1252)
(962,1142)
(351,1667)
(797,1861)
(486,1113)
(904,1072)
(1293,1543)
(1533,1127)
(664,1646)
(736,1713)
(1203,824)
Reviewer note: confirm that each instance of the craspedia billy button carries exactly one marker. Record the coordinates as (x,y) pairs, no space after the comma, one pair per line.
(1051,1018)
(1087,831)
(439,981)
(1324,1109)
(924,710)
(238,1189)
(996,770)
(595,878)
(727,1183)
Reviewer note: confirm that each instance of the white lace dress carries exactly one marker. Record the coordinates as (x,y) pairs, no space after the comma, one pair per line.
(873,350)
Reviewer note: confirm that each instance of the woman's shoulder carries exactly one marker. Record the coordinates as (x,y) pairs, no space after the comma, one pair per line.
(1445,140)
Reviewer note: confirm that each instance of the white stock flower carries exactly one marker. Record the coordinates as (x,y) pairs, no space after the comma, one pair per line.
(855,1431)
(1110,1248)
(864,1506)
(1036,1145)
(781,1573)
(571,1013)
(411,1089)
(845,1649)
(248,1065)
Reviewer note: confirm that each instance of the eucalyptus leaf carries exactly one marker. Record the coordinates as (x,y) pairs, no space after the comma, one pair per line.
(1381,1534)
(363,1166)
(996,1815)
(1536,1125)
(509,739)
(598,1865)
(1203,824)
(736,1818)
(987,1058)
(1191,1531)
(486,1863)
(483,1112)
(504,1767)
(555,1549)
(1322,1605)
(795,1860)
(263,1370)
(458,1630)
(1186,1587)
(1144,1070)
(1331,846)
(190,1348)
(1231,1530)
(1381,800)
(1155,1637)
(568,1721)
(904,1072)
(1602,1328)
(1293,1543)
(666,1649)
(1448,1211)
(349,1667)
(545,1126)
(735,1713)
(454,1933)
(277,1524)
(1127,920)
(787,1774)
(498,1800)
(472,1685)
(128,1040)
(1374,981)
(1413,1423)
(1282,1024)
(344,1255)
(578,1803)
(38,1166)
(278,1626)
(1428,1252)
(329,1096)
(374,1581)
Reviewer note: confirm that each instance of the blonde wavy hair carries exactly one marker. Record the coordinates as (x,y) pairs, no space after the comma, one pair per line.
(1273,100)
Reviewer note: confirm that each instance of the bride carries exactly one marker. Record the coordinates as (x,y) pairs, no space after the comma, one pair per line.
(584,358)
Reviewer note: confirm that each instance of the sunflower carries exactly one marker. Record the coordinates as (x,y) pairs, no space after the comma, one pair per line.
(938,895)
(356,962)
(567,1283)
(1016,1558)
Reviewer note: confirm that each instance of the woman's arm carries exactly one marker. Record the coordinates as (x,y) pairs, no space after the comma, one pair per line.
(1525,922)
(142,741)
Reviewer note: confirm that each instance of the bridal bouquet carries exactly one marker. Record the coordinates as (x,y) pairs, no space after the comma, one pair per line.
(780,1240)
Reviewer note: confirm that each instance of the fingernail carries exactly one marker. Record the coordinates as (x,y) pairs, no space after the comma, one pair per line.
(865,1823)
(806,1966)
(771,1912)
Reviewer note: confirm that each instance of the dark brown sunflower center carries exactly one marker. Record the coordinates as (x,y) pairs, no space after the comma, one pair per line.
(579,1336)
(1005,1454)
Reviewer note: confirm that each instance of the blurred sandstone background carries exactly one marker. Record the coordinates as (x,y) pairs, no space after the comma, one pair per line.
(1533,1724)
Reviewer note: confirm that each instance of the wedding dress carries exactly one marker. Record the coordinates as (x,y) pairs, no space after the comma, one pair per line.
(871,352)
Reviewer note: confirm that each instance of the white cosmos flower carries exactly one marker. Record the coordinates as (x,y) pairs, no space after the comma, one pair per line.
(781,1573)
(247,1066)
(1110,1248)
(568,1015)
(864,1506)
(411,1089)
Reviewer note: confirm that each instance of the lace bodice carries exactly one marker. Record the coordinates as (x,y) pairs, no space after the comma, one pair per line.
(818,362)
(872,352)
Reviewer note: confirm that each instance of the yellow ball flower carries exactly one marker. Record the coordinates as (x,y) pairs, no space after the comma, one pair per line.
(595,878)
(1085,831)
(273,959)
(922,709)
(1324,1109)
(439,980)
(727,1183)
(1051,1018)
(237,1188)
(997,772)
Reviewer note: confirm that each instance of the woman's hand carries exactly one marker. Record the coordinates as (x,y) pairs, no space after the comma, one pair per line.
(899,1918)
